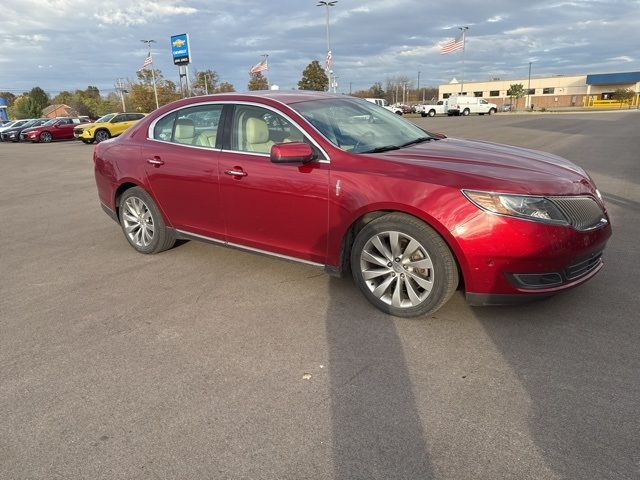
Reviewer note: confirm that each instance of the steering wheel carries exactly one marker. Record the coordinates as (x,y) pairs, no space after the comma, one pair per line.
(365,139)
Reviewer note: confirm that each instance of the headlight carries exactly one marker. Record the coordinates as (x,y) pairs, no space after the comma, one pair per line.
(530,207)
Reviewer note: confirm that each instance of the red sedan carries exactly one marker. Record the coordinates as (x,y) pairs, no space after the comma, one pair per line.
(54,129)
(340,183)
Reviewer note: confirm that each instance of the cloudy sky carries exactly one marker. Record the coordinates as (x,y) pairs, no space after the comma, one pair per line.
(68,44)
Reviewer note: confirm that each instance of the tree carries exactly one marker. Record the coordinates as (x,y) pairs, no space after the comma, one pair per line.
(257,81)
(63,97)
(204,81)
(374,91)
(29,105)
(624,95)
(40,100)
(225,87)
(314,78)
(141,97)
(516,90)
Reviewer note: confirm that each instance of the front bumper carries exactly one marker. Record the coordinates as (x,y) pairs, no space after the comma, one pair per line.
(83,135)
(512,257)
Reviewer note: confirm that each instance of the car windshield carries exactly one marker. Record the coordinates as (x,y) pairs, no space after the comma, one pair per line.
(31,123)
(358,126)
(106,118)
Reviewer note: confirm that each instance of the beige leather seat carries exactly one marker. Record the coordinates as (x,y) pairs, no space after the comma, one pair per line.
(207,139)
(258,136)
(185,131)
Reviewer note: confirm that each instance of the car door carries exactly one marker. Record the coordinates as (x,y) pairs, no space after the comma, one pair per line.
(63,129)
(118,124)
(279,208)
(181,161)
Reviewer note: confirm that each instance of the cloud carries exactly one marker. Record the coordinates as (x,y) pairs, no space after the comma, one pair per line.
(495,19)
(140,13)
(622,58)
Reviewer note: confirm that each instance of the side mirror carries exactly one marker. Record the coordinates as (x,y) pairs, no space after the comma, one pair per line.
(293,152)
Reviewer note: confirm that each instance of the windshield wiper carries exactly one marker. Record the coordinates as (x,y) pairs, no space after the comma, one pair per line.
(417,140)
(386,148)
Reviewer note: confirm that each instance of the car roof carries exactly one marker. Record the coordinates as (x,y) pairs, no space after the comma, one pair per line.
(283,96)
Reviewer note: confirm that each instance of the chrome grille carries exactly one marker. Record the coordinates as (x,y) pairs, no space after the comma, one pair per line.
(583,213)
(582,268)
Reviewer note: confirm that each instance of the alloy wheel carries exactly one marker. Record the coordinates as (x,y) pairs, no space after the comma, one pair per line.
(101,136)
(397,269)
(138,222)
(45,137)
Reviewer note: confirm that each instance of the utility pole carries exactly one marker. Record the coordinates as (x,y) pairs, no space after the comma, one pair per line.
(153,73)
(529,88)
(418,89)
(329,61)
(350,85)
(121,89)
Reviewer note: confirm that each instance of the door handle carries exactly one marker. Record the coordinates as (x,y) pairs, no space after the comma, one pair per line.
(155,161)
(237,172)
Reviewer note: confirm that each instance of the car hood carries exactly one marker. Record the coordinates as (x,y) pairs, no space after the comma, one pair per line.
(481,165)
(85,125)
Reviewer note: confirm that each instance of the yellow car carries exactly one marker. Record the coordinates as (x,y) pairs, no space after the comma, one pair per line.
(110,125)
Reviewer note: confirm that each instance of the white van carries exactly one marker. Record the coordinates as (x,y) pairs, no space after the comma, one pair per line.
(463,105)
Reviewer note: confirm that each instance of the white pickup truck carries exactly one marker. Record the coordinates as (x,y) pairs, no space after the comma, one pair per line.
(431,110)
(381,102)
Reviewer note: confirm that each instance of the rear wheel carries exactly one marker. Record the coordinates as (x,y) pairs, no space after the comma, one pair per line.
(422,114)
(101,136)
(46,137)
(402,266)
(466,112)
(142,223)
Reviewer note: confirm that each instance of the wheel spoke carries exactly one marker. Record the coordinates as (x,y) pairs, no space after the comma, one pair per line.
(382,288)
(375,273)
(410,248)
(425,263)
(382,248)
(394,241)
(396,301)
(413,296)
(423,282)
(371,258)
(131,228)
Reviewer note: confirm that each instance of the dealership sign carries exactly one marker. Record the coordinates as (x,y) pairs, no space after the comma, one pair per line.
(180,49)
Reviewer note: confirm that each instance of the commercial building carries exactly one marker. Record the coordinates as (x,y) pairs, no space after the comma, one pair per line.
(549,92)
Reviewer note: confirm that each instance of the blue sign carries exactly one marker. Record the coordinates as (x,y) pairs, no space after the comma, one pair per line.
(180,49)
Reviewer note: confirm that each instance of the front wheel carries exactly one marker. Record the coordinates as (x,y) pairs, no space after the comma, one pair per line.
(466,112)
(492,111)
(402,266)
(46,137)
(142,223)
(101,136)
(432,113)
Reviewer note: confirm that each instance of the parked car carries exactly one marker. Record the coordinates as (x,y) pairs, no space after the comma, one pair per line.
(463,105)
(13,133)
(505,107)
(381,102)
(110,125)
(10,125)
(54,129)
(336,182)
(433,109)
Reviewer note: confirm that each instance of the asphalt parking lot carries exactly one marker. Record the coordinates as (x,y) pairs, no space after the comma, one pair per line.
(190,364)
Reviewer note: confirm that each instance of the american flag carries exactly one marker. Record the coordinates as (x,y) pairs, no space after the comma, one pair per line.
(328,61)
(453,45)
(259,67)
(147,61)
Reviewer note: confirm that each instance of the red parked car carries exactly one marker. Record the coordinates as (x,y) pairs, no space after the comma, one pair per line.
(54,129)
(341,183)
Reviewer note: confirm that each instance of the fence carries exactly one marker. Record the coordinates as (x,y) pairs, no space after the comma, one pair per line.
(593,101)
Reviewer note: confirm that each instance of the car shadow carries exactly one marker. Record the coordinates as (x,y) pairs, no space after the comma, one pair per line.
(377,431)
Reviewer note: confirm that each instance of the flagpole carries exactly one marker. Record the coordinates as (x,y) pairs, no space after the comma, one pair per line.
(464,42)
(153,73)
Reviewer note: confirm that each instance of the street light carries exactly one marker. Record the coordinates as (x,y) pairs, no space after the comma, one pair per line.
(153,73)
(332,3)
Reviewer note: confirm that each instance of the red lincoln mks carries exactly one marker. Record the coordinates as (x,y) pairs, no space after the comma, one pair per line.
(341,183)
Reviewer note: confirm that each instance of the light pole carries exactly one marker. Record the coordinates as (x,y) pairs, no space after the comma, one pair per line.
(153,73)
(418,89)
(529,88)
(329,61)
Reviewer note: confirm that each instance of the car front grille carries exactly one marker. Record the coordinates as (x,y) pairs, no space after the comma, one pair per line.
(78,131)
(583,213)
(583,267)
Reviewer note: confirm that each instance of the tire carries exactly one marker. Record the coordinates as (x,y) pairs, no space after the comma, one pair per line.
(142,223)
(422,114)
(402,289)
(432,113)
(87,142)
(492,111)
(101,136)
(466,112)
(399,113)
(45,137)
